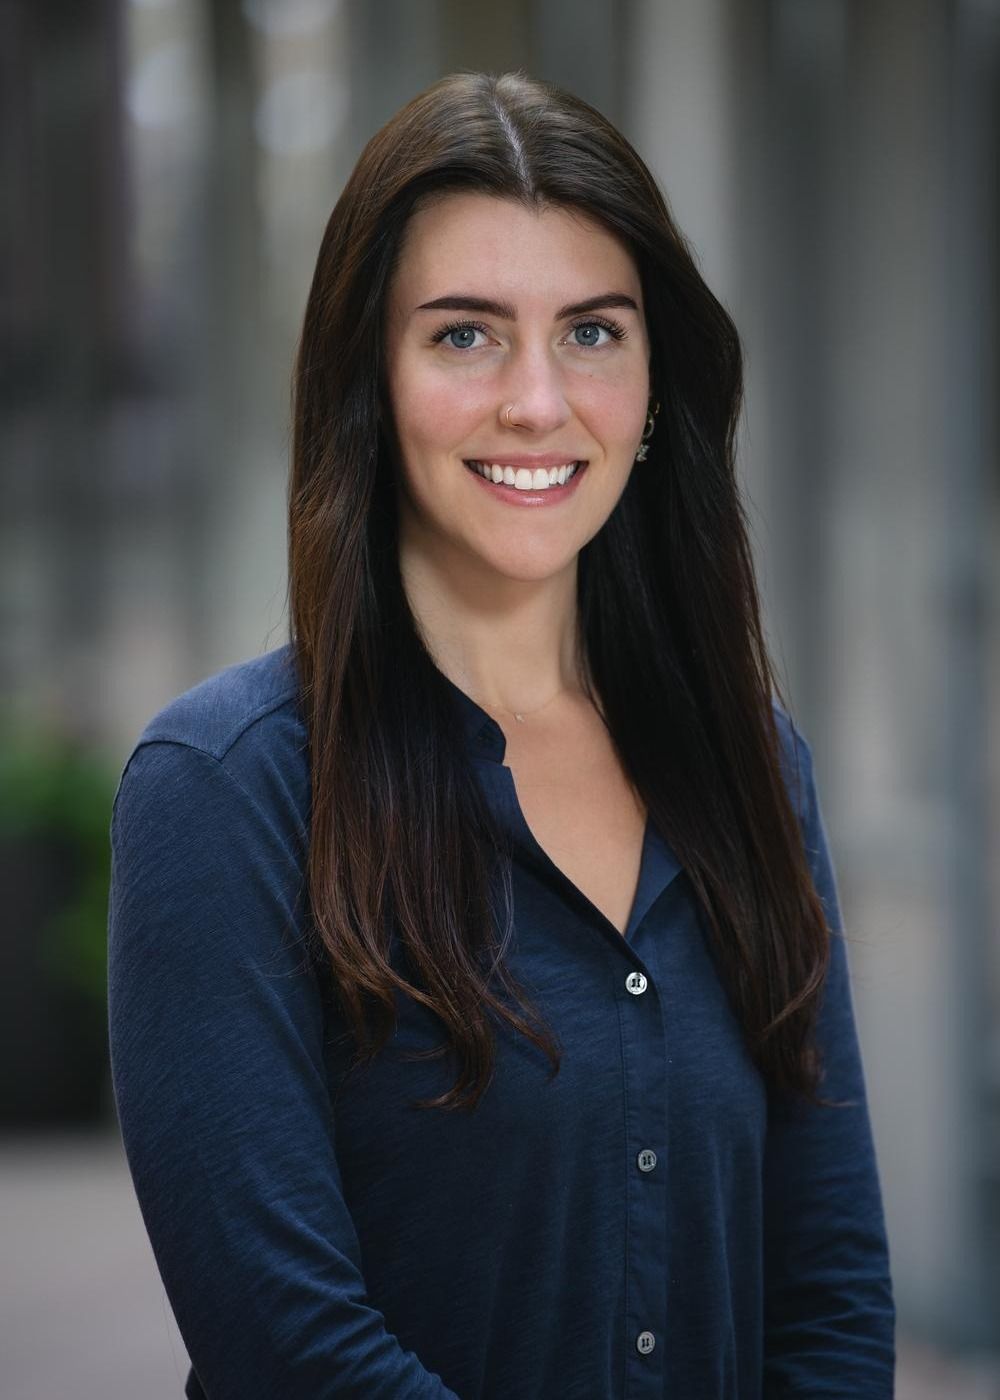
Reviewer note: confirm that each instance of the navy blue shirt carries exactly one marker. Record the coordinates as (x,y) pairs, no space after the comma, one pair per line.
(649,1224)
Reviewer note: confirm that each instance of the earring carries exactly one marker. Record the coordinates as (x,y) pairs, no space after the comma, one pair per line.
(647,433)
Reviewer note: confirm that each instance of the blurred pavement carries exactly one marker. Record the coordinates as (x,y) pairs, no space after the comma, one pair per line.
(83,1312)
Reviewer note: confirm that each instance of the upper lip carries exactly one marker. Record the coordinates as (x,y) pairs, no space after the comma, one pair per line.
(528,459)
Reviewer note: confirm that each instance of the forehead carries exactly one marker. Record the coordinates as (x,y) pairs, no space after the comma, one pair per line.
(472,242)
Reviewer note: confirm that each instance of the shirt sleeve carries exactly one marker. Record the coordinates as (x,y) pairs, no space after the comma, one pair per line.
(829,1314)
(216,1034)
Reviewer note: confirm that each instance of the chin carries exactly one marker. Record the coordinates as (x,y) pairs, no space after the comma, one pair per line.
(527,566)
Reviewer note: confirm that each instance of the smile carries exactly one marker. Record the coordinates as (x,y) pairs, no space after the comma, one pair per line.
(523,478)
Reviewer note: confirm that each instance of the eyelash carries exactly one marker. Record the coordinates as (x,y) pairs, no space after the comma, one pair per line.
(614,329)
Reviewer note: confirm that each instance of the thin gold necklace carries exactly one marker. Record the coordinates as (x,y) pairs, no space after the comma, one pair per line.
(521,715)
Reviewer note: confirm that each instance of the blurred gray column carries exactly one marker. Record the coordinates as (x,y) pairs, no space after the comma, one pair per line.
(64,332)
(905,735)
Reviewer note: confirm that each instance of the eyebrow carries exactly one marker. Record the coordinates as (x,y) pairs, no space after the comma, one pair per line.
(507,312)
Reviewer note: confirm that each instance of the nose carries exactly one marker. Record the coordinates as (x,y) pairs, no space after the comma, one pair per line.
(533,385)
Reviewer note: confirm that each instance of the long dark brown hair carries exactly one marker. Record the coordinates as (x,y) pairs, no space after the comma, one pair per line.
(669,619)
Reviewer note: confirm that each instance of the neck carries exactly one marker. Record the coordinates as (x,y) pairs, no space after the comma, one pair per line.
(510,644)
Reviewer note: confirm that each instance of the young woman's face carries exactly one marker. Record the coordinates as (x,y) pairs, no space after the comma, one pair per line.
(577,380)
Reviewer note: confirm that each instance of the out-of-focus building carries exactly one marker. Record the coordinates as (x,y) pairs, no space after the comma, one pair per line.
(170,166)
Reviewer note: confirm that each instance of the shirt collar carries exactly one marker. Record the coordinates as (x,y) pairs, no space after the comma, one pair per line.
(483,735)
(485,739)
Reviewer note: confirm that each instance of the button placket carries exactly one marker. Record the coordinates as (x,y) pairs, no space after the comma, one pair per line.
(644,1047)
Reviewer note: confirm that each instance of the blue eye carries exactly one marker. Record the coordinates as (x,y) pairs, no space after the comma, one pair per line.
(614,330)
(459,328)
(591,329)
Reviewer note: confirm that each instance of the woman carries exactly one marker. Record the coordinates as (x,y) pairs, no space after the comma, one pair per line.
(480,1021)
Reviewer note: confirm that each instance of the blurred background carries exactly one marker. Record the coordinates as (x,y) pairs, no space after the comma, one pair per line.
(168,167)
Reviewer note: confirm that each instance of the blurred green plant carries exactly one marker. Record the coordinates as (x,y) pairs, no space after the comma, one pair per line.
(56,794)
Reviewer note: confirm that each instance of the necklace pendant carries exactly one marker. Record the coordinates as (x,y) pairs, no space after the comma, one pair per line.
(519,718)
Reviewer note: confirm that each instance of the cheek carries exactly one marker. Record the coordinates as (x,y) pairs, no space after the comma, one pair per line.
(433,411)
(617,409)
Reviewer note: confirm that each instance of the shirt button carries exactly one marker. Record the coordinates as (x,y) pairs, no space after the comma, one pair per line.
(645,1342)
(646,1159)
(635,982)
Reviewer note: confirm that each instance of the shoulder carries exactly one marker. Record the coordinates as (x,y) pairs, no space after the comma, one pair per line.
(219,711)
(800,780)
(796,761)
(244,722)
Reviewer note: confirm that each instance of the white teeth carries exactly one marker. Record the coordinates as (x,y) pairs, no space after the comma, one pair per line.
(523,478)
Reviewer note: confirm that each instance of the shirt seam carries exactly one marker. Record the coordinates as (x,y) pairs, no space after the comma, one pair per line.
(268,708)
(192,748)
(240,729)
